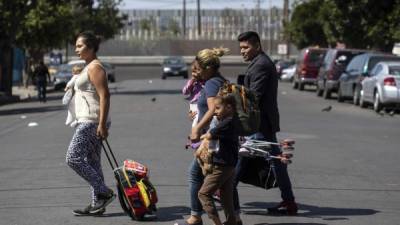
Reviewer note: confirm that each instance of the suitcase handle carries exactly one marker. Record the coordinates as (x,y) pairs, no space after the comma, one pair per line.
(106,151)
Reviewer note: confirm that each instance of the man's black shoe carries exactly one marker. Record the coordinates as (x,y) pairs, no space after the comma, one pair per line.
(86,211)
(102,201)
(285,208)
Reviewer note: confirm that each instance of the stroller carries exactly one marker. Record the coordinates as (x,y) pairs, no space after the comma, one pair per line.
(257,160)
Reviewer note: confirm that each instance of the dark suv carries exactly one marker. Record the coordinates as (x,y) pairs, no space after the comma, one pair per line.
(358,68)
(334,64)
(308,64)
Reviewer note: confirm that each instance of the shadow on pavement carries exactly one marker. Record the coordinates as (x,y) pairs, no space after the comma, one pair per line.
(310,211)
(113,214)
(172,213)
(290,224)
(164,214)
(149,92)
(48,98)
(38,109)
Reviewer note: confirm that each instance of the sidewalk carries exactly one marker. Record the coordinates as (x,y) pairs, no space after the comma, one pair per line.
(20,93)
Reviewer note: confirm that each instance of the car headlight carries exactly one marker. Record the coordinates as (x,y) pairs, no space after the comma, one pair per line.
(167,69)
(184,68)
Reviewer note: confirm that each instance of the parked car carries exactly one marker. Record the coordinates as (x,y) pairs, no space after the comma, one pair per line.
(174,66)
(288,73)
(382,86)
(281,65)
(62,76)
(356,71)
(64,73)
(308,63)
(110,69)
(334,64)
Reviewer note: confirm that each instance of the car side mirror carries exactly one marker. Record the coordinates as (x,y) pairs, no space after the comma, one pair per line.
(240,79)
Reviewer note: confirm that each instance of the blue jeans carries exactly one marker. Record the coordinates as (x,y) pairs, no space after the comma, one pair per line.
(196,179)
(280,169)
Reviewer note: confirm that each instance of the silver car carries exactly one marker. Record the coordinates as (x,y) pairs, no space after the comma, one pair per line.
(382,86)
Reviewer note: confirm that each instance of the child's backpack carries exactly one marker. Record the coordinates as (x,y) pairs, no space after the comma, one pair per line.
(247,108)
(136,194)
(136,190)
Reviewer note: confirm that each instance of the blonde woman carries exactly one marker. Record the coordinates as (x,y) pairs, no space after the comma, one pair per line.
(209,63)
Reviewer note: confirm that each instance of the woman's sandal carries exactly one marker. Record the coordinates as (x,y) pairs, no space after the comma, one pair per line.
(186,223)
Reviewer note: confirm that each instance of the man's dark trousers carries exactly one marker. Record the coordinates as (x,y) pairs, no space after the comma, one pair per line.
(280,170)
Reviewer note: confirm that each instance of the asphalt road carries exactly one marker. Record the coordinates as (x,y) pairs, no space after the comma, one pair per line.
(154,71)
(345,168)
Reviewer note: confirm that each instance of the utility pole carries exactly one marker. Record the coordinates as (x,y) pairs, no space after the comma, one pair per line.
(184,19)
(270,27)
(258,11)
(198,18)
(285,23)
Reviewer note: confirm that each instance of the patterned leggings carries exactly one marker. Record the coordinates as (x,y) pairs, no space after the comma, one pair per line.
(83,156)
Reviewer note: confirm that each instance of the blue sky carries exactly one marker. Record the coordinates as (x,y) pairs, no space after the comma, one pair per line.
(209,4)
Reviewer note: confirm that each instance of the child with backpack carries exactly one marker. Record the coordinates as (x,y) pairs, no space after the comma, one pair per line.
(222,173)
(192,90)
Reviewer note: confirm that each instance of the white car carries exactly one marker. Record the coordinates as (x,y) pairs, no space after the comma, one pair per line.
(288,73)
(382,86)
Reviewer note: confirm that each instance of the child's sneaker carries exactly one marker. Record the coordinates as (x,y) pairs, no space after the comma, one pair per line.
(103,199)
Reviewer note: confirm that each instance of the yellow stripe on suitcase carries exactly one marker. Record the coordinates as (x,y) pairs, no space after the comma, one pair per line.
(143,191)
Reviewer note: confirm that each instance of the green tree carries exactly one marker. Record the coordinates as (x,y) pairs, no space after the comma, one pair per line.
(41,25)
(305,27)
(44,27)
(371,24)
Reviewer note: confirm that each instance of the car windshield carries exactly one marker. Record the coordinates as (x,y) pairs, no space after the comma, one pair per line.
(173,61)
(65,68)
(394,70)
(315,57)
(374,60)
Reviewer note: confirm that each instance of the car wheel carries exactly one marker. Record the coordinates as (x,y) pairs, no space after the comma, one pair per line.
(377,102)
(356,96)
(295,85)
(363,104)
(185,76)
(339,95)
(327,93)
(319,91)
(163,77)
(301,86)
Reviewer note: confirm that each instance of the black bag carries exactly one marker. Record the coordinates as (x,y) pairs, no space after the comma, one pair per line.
(257,171)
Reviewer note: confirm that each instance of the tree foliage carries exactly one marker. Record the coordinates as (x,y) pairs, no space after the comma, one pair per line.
(357,23)
(305,27)
(41,25)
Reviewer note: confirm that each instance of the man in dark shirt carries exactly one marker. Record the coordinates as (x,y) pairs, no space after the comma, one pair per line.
(41,74)
(261,78)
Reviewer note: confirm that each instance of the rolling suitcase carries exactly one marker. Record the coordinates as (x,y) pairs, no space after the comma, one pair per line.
(136,194)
